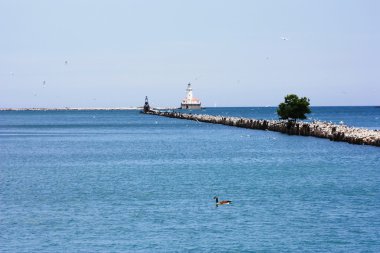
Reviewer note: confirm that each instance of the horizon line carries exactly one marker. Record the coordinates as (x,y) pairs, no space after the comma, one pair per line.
(158,107)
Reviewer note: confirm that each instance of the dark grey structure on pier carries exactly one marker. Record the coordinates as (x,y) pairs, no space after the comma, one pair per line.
(146,105)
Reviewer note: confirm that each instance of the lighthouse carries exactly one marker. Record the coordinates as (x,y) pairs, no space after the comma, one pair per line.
(146,105)
(190,102)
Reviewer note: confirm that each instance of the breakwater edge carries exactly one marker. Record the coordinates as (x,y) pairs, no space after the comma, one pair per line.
(320,129)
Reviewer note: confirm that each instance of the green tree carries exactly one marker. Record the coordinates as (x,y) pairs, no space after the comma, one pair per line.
(294,108)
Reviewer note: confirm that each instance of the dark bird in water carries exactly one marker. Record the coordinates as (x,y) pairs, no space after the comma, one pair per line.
(222,202)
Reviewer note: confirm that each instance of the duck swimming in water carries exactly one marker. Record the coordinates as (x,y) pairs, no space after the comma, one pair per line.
(222,202)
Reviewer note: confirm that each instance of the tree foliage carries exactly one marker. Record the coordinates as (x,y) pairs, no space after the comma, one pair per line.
(294,107)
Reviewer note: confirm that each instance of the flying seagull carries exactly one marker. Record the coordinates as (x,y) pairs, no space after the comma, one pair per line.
(284,38)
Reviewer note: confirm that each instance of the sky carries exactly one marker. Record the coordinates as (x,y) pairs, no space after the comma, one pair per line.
(113,53)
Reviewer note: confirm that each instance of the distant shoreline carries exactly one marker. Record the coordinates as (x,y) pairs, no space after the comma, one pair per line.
(71,109)
(80,109)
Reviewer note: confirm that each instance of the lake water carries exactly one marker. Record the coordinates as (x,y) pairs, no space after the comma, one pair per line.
(121,181)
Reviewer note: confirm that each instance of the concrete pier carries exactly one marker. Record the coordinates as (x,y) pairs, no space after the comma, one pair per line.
(318,129)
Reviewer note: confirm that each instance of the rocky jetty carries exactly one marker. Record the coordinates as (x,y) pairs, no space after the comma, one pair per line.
(319,129)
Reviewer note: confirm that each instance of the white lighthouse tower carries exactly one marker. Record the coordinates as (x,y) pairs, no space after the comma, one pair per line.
(190,102)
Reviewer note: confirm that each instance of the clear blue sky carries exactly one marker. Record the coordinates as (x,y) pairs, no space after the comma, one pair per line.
(231,51)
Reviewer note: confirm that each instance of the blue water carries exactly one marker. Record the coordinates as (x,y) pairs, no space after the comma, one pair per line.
(120,181)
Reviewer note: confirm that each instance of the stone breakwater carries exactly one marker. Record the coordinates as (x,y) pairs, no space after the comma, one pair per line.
(318,129)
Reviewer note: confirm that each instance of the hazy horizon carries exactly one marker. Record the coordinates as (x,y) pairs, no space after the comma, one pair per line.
(235,54)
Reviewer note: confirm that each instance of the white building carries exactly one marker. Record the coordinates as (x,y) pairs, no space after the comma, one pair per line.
(190,102)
